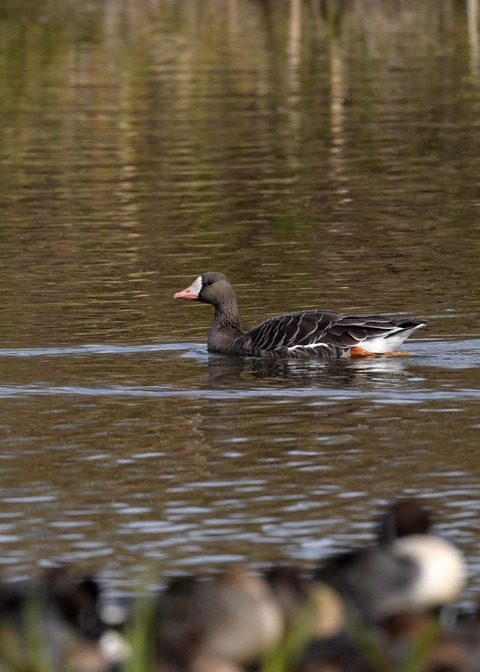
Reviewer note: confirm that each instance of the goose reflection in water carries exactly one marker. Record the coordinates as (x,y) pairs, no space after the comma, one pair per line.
(348,373)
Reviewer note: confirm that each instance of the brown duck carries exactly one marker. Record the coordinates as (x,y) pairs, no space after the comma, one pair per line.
(311,333)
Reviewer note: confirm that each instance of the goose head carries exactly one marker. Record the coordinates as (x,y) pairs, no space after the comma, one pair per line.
(402,518)
(210,287)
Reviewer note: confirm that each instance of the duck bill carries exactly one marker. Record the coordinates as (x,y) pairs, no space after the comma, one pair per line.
(189,293)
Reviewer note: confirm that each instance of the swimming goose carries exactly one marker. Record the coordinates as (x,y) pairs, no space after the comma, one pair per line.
(312,333)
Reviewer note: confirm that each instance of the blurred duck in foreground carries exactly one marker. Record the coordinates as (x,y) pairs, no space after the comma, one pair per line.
(216,623)
(410,571)
(394,591)
(55,625)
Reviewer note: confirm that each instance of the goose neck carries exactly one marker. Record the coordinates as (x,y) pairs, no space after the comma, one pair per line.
(227,317)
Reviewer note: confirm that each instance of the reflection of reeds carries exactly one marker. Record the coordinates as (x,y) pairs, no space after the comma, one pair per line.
(179,59)
(472,18)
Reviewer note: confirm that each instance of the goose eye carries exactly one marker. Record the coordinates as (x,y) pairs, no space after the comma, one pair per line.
(209,282)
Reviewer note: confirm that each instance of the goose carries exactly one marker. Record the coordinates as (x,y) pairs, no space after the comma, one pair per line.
(312,333)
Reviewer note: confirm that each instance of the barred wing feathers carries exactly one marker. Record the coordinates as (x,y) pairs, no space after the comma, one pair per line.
(326,333)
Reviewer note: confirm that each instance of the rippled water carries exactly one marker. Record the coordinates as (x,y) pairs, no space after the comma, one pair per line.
(318,163)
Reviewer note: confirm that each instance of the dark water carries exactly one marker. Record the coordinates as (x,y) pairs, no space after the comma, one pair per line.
(317,160)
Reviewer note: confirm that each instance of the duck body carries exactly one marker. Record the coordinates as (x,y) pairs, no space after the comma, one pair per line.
(217,623)
(409,571)
(414,574)
(306,334)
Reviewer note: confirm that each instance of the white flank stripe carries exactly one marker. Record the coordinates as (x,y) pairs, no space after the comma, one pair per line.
(310,345)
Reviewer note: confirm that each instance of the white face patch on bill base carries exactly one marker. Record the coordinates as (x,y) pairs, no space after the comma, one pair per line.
(197,285)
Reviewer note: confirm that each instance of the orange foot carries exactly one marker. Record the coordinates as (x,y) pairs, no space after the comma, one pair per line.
(356,351)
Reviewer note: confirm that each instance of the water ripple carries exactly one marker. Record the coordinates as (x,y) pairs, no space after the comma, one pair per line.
(95,349)
(404,396)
